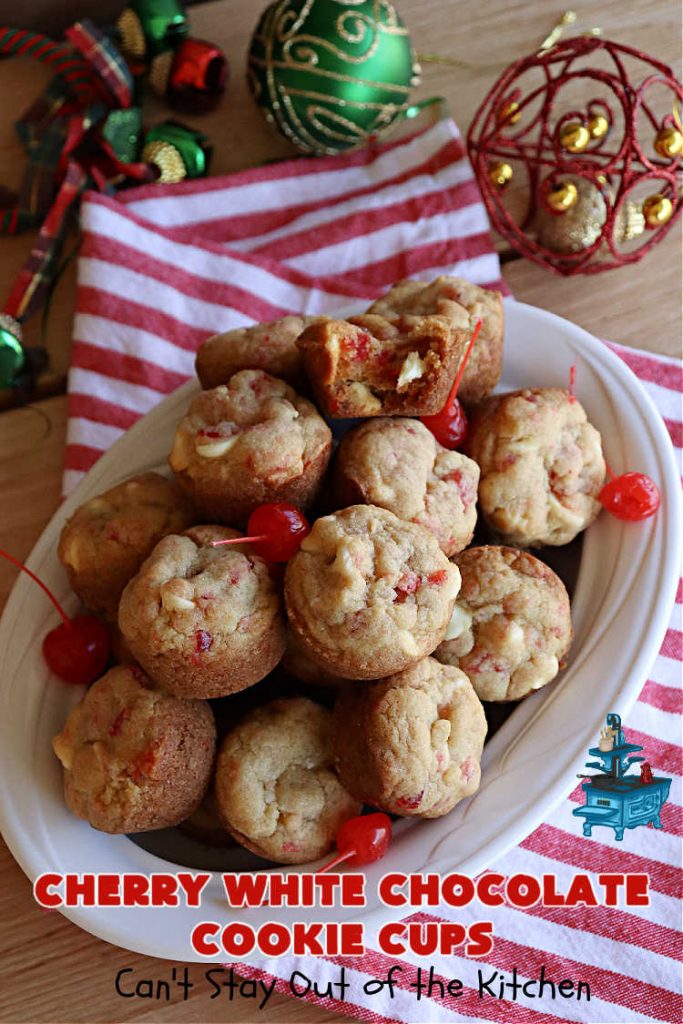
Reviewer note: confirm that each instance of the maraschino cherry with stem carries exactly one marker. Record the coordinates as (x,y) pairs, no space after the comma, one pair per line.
(275,530)
(78,649)
(450,426)
(630,496)
(361,840)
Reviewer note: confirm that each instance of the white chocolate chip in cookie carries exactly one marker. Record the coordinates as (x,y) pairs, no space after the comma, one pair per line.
(176,596)
(215,449)
(413,368)
(461,621)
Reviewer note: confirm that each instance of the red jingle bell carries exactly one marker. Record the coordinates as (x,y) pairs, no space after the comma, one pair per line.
(192,77)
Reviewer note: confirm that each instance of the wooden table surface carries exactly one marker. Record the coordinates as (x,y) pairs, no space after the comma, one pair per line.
(49,969)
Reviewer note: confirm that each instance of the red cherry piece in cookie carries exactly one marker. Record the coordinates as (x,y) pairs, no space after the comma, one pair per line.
(78,649)
(275,530)
(631,496)
(450,426)
(362,840)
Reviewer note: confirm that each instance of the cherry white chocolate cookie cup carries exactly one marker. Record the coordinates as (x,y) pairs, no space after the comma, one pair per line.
(135,758)
(511,626)
(203,621)
(411,744)
(368,594)
(397,464)
(106,540)
(252,441)
(276,789)
(271,347)
(542,467)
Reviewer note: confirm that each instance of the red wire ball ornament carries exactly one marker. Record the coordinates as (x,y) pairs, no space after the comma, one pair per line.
(613,152)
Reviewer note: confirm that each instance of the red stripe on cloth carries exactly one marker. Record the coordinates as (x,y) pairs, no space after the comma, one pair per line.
(122,367)
(666,757)
(252,225)
(409,262)
(672,645)
(679,592)
(81,457)
(133,314)
(611,986)
(469,1004)
(666,698)
(97,409)
(675,431)
(592,855)
(278,171)
(665,374)
(610,923)
(356,225)
(330,283)
(192,284)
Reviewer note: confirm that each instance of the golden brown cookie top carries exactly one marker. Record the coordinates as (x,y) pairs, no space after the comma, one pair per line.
(511,625)
(541,465)
(255,425)
(276,788)
(398,464)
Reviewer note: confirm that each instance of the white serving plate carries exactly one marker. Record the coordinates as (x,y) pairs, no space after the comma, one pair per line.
(621,605)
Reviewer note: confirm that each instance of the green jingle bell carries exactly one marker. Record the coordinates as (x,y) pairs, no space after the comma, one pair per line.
(12,356)
(329,76)
(177,151)
(149,27)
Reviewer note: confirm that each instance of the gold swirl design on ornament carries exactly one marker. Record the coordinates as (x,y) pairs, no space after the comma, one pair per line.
(341,101)
(269,64)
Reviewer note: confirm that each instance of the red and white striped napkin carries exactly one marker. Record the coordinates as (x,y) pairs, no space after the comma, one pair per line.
(161,268)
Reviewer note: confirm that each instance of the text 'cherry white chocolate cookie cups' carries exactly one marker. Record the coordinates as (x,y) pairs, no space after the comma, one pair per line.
(368,594)
(252,441)
(277,792)
(203,621)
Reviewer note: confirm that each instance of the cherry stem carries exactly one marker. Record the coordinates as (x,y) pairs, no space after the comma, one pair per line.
(458,376)
(339,859)
(20,565)
(610,472)
(572,383)
(240,540)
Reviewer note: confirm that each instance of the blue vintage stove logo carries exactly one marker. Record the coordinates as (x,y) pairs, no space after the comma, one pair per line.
(614,798)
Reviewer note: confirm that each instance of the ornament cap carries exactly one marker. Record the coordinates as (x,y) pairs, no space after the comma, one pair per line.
(668,142)
(574,137)
(562,196)
(657,210)
(500,174)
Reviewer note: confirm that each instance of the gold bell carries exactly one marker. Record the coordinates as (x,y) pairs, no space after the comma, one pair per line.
(500,174)
(509,113)
(668,142)
(657,210)
(167,159)
(574,137)
(562,196)
(133,39)
(598,126)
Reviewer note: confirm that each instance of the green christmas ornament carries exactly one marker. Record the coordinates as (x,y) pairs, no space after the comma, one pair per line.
(177,151)
(11,352)
(329,75)
(148,27)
